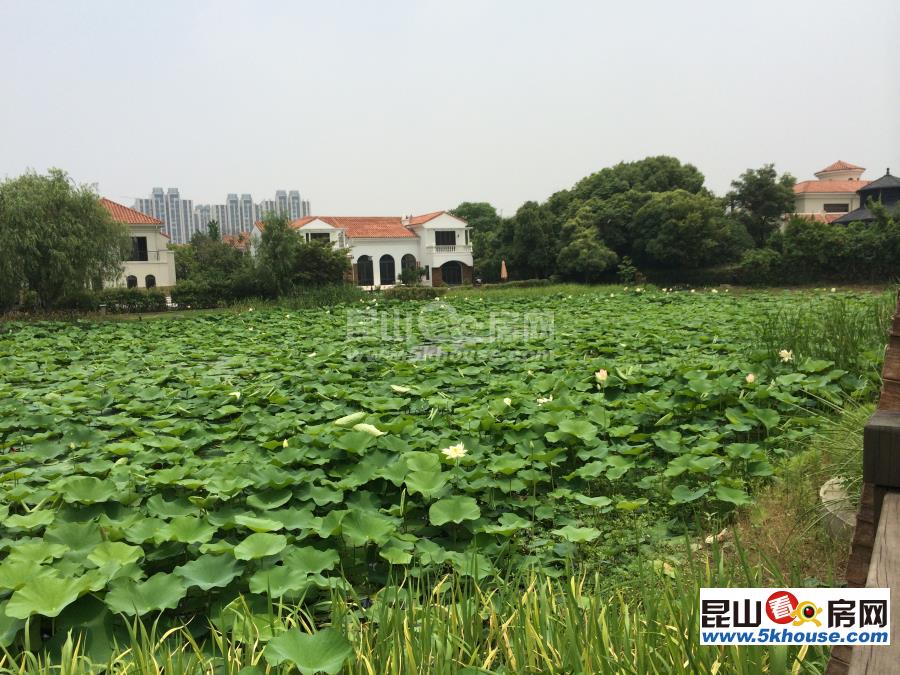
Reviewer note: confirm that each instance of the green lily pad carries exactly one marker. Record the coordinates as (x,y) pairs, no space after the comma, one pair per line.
(135,598)
(260,545)
(325,651)
(453,510)
(209,571)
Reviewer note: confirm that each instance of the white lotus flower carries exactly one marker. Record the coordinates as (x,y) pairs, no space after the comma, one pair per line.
(310,355)
(236,394)
(715,290)
(786,355)
(250,310)
(751,378)
(369,429)
(542,401)
(457,451)
(834,290)
(601,375)
(284,443)
(693,291)
(507,401)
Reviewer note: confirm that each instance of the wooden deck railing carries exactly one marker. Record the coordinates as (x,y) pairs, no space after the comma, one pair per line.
(875,552)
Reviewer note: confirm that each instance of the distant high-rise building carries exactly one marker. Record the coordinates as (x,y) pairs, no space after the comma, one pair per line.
(233,221)
(202,216)
(248,213)
(281,202)
(295,205)
(220,215)
(267,206)
(181,218)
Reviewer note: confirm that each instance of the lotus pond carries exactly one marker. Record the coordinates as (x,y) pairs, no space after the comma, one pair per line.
(265,456)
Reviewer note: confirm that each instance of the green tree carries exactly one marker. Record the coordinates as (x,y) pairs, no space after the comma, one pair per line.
(55,238)
(534,242)
(213,230)
(585,258)
(760,198)
(681,229)
(651,174)
(319,262)
(486,224)
(277,254)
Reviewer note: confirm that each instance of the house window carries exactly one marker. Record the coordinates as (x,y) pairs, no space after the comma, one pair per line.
(408,262)
(150,281)
(365,275)
(445,238)
(427,272)
(467,237)
(318,236)
(837,208)
(139,248)
(386,267)
(131,281)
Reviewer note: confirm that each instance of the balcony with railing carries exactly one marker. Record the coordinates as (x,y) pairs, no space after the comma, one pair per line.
(450,248)
(149,256)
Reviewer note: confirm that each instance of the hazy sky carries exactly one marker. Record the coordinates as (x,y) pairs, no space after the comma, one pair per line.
(381,107)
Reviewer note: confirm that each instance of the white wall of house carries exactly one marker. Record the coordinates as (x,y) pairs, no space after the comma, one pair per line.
(814,202)
(434,254)
(376,247)
(160,263)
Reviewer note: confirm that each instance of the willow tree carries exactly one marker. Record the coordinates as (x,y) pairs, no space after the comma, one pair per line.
(56,238)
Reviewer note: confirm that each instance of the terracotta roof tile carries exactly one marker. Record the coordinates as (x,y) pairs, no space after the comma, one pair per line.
(839,165)
(829,186)
(368,227)
(418,220)
(123,214)
(363,227)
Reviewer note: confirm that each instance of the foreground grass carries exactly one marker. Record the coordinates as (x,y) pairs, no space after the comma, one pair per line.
(454,624)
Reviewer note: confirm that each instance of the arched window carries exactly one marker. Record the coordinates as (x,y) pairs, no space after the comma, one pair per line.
(365,275)
(131,281)
(150,281)
(386,267)
(408,262)
(451,273)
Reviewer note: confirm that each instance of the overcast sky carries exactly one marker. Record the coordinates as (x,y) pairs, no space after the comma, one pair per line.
(395,107)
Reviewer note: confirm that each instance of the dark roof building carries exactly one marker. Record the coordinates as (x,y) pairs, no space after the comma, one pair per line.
(885,190)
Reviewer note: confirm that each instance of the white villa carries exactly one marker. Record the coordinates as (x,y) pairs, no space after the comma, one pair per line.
(832,194)
(151,263)
(381,246)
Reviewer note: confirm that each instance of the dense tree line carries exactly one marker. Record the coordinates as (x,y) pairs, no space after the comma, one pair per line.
(656,214)
(211,271)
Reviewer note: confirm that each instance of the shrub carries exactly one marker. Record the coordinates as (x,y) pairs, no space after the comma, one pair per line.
(190,294)
(626,271)
(411,276)
(326,295)
(413,293)
(760,266)
(129,300)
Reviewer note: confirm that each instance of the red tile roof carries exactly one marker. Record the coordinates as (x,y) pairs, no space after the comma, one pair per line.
(820,217)
(240,241)
(367,227)
(829,186)
(418,220)
(839,165)
(123,214)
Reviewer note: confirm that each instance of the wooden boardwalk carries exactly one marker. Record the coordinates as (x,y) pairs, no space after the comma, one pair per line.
(875,553)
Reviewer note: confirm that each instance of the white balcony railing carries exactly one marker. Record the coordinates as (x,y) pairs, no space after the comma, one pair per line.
(451,248)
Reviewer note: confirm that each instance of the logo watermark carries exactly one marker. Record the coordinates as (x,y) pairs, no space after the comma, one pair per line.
(834,616)
(440,330)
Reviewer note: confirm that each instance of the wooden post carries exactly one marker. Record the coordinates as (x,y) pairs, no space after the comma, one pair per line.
(875,551)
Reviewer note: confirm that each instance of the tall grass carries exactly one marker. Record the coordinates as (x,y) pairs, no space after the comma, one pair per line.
(850,331)
(454,624)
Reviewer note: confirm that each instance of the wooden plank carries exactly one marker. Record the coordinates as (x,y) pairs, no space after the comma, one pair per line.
(881,449)
(891,370)
(884,572)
